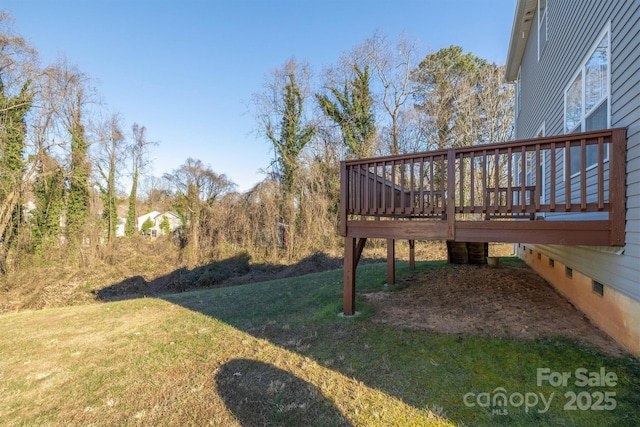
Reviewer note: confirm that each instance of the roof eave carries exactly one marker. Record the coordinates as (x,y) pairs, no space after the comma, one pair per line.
(522,20)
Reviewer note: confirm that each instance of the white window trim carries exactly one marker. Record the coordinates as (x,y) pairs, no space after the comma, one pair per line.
(603,33)
(544,17)
(518,92)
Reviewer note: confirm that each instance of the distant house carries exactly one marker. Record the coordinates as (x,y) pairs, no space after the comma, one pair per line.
(142,219)
(172,219)
(120,227)
(576,68)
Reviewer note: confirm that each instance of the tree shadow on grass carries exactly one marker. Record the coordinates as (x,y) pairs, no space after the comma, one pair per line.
(233,271)
(259,394)
(297,315)
(424,370)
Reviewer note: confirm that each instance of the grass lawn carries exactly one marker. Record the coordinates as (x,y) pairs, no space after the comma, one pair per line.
(277,353)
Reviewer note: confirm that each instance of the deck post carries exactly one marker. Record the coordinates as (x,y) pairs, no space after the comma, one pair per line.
(617,186)
(349,295)
(344,195)
(451,200)
(391,261)
(412,254)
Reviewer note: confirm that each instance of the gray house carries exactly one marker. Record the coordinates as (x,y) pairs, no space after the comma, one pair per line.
(576,67)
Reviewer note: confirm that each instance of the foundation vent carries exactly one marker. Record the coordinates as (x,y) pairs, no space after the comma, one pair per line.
(598,288)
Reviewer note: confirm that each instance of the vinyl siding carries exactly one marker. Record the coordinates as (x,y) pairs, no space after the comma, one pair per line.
(573,29)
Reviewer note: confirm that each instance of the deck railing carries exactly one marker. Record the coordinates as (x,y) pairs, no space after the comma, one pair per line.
(575,173)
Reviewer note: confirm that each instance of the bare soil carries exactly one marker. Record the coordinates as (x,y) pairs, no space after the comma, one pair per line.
(510,301)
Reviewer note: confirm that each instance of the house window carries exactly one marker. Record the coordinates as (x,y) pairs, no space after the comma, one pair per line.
(542,26)
(586,99)
(573,109)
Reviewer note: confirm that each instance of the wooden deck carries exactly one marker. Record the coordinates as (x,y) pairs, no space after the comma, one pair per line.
(566,190)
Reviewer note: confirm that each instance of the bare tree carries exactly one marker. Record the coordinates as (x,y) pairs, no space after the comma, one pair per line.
(156,194)
(110,156)
(18,59)
(393,64)
(279,112)
(75,96)
(139,161)
(197,187)
(17,68)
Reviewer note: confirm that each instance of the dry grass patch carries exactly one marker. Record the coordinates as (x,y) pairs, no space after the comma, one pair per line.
(150,362)
(276,353)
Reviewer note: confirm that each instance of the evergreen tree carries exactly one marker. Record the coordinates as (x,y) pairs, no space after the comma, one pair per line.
(78,192)
(446,82)
(164,225)
(12,163)
(352,110)
(146,225)
(12,135)
(71,102)
(49,192)
(293,135)
(130,226)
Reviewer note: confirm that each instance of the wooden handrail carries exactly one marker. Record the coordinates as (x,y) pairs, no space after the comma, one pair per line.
(503,179)
(574,139)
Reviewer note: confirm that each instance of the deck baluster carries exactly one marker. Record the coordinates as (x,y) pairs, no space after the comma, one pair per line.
(523,180)
(472,174)
(600,173)
(553,175)
(583,175)
(539,178)
(567,176)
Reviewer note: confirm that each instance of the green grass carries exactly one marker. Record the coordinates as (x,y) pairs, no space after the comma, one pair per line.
(277,353)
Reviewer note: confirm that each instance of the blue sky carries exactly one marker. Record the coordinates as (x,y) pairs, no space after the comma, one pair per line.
(186,69)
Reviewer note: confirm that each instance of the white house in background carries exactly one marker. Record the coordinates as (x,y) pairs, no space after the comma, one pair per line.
(157,217)
(142,219)
(120,232)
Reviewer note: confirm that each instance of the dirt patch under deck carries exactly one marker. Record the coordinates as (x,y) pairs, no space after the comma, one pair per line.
(510,301)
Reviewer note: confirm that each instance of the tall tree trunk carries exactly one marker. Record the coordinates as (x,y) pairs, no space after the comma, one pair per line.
(130,228)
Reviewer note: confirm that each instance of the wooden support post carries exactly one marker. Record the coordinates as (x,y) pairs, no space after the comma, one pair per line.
(359,248)
(451,199)
(412,254)
(349,296)
(391,261)
(617,186)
